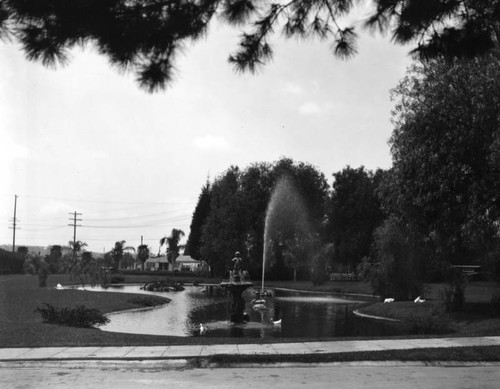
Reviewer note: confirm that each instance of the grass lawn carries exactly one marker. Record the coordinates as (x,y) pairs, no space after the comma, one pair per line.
(476,319)
(22,326)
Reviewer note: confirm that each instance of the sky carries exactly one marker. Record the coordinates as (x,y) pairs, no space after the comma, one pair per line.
(85,138)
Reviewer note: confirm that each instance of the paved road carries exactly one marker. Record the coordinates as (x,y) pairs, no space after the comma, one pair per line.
(157,374)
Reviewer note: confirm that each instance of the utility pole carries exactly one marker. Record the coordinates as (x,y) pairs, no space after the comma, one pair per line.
(14,225)
(75,214)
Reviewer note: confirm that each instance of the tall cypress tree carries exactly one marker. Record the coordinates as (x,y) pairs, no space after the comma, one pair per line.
(199,217)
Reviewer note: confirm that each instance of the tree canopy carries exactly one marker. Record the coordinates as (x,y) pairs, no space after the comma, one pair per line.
(353,213)
(445,148)
(238,204)
(199,216)
(144,36)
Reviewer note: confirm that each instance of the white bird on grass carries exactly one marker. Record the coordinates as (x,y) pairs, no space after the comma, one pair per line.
(203,329)
(276,322)
(389,300)
(419,300)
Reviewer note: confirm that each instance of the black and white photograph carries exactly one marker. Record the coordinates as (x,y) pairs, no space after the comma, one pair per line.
(249,194)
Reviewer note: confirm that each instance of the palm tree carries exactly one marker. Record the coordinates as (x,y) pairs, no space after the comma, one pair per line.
(143,254)
(173,247)
(118,251)
(76,247)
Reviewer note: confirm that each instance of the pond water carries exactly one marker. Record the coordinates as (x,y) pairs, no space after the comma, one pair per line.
(302,315)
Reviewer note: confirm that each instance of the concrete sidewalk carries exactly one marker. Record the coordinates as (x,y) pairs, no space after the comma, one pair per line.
(131,353)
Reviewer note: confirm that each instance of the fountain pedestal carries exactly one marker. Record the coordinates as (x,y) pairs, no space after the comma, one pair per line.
(237,307)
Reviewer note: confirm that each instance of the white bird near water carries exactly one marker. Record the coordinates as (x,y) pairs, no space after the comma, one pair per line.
(59,286)
(203,329)
(419,300)
(276,322)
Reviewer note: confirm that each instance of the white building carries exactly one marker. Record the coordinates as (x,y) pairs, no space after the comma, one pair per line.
(182,263)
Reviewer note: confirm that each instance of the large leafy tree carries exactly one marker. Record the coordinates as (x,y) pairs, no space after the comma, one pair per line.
(23,252)
(145,35)
(239,201)
(353,214)
(54,258)
(223,231)
(255,190)
(445,148)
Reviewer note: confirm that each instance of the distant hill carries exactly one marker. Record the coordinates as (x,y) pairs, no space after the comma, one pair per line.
(31,249)
(43,250)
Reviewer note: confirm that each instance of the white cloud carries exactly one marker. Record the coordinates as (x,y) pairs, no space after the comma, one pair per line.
(309,108)
(312,108)
(293,88)
(212,142)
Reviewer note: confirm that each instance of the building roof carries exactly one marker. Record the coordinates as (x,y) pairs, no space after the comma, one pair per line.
(185,259)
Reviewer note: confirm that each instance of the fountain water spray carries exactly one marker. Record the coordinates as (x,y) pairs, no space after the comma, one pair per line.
(285,214)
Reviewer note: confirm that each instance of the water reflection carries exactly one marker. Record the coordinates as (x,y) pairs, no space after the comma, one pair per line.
(302,315)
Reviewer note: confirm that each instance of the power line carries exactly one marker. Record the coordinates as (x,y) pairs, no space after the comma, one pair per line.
(44,229)
(109,201)
(131,217)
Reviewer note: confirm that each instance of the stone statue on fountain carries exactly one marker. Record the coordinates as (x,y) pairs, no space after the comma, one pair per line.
(239,280)
(238,274)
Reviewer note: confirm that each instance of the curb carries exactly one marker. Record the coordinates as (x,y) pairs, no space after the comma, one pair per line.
(203,363)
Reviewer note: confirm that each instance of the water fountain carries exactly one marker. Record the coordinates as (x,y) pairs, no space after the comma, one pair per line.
(238,282)
(288,314)
(286,214)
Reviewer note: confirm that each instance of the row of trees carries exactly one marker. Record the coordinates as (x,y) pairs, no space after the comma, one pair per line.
(231,213)
(437,205)
(172,243)
(74,258)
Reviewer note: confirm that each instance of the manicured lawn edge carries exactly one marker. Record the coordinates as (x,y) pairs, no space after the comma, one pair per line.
(455,354)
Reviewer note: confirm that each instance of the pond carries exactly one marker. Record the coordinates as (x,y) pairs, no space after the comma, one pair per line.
(303,315)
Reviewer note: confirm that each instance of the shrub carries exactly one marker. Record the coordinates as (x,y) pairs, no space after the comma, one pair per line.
(117,279)
(343,277)
(43,274)
(11,262)
(393,272)
(453,295)
(318,269)
(73,317)
(495,305)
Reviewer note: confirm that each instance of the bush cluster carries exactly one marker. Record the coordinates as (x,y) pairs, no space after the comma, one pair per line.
(117,279)
(495,305)
(343,277)
(10,263)
(80,316)
(453,295)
